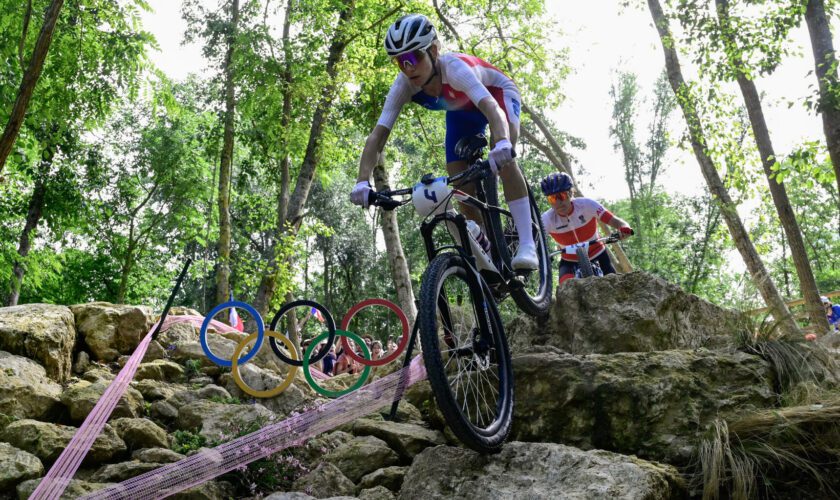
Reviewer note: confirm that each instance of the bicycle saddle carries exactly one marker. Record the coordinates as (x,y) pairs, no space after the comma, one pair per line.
(470,149)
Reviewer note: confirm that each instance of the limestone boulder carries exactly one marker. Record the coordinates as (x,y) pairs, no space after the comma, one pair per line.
(17,466)
(634,312)
(537,471)
(46,441)
(655,405)
(212,490)
(297,395)
(161,370)
(111,330)
(157,456)
(388,477)
(75,489)
(361,456)
(139,433)
(219,421)
(376,493)
(325,481)
(117,473)
(406,439)
(81,397)
(44,333)
(25,389)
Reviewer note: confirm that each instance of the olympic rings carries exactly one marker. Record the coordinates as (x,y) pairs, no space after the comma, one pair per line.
(292,358)
(328,319)
(362,378)
(403,340)
(227,305)
(234,369)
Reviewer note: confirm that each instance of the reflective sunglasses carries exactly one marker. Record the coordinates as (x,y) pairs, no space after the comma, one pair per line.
(409,60)
(562,196)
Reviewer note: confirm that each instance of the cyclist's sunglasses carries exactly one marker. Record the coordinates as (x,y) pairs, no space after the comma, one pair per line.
(409,59)
(562,196)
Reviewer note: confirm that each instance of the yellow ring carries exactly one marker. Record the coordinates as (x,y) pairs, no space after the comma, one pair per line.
(234,368)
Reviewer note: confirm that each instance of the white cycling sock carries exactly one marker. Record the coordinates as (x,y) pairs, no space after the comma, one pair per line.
(521,211)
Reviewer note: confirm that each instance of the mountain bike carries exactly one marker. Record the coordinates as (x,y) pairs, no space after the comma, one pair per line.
(585,267)
(464,345)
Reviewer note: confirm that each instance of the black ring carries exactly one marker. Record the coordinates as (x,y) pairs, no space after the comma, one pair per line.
(328,319)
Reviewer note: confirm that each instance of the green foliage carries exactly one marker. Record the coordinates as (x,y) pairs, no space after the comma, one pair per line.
(187,441)
(227,401)
(192,368)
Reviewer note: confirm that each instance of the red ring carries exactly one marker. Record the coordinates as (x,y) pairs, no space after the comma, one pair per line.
(400,347)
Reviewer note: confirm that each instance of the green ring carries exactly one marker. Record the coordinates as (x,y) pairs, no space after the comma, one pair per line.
(317,340)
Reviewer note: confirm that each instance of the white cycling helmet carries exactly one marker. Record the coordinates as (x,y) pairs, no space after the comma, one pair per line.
(824,299)
(410,32)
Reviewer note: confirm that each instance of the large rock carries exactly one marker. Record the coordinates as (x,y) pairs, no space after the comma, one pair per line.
(161,370)
(75,489)
(46,441)
(139,433)
(111,330)
(389,477)
(81,397)
(654,405)
(117,473)
(536,471)
(17,466)
(41,332)
(324,482)
(634,312)
(25,389)
(219,421)
(406,439)
(361,456)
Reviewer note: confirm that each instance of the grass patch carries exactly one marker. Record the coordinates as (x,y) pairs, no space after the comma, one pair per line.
(787,451)
(186,441)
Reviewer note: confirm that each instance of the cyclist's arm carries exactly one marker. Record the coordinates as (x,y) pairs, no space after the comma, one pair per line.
(462,78)
(617,222)
(370,154)
(499,129)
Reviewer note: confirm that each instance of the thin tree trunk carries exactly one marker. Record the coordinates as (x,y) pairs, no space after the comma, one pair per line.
(268,283)
(760,277)
(312,156)
(225,166)
(393,244)
(30,79)
(33,217)
(807,282)
(825,62)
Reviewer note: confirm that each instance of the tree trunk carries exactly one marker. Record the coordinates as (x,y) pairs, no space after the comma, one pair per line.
(268,283)
(33,216)
(312,156)
(758,272)
(393,244)
(225,166)
(825,63)
(30,79)
(807,283)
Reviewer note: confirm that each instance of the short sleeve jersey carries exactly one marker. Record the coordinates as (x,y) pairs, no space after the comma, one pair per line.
(579,226)
(466,80)
(834,315)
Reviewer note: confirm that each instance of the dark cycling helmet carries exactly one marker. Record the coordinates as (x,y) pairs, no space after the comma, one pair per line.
(556,183)
(410,32)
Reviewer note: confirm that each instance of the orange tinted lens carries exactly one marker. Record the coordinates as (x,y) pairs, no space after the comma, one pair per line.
(552,198)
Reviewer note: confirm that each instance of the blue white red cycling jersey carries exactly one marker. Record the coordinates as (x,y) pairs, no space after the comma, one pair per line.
(578,227)
(466,80)
(834,316)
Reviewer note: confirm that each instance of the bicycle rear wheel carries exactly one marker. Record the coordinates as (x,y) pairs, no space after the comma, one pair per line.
(534,297)
(466,353)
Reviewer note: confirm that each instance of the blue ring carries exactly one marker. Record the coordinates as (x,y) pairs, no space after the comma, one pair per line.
(228,305)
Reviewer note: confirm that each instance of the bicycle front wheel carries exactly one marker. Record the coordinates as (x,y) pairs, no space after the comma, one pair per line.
(466,353)
(584,264)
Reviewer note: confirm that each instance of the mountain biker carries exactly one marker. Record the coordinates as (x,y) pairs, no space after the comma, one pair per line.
(571,220)
(474,94)
(832,313)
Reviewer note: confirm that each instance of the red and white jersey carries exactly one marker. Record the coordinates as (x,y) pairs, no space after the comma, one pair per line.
(465,81)
(578,227)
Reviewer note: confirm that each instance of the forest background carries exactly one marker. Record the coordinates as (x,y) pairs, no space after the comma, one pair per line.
(116,172)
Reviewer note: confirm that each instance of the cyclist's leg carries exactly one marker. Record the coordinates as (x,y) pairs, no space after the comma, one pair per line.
(566,270)
(460,124)
(605,262)
(516,192)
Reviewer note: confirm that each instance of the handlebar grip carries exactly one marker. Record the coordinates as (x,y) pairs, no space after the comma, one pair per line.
(383,201)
